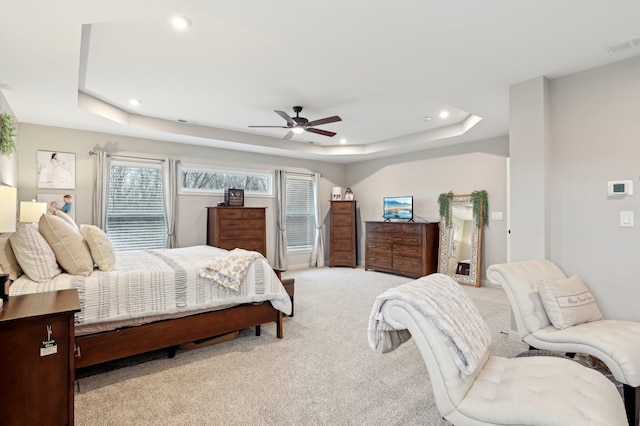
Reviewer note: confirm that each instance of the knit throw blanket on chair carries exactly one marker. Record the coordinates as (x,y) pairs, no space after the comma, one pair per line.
(439,298)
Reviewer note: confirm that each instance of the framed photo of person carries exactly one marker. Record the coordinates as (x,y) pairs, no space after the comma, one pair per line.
(64,203)
(56,170)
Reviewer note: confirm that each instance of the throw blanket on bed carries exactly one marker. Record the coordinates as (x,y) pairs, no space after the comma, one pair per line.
(158,282)
(439,298)
(231,270)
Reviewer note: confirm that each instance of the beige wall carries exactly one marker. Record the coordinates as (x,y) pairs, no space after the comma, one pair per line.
(425,175)
(595,122)
(191,225)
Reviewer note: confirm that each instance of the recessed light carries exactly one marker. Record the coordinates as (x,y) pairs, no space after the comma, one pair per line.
(180,22)
(444,114)
(135,102)
(426,118)
(343,141)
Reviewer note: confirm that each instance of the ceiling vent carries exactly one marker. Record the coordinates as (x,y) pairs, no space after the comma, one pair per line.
(622,45)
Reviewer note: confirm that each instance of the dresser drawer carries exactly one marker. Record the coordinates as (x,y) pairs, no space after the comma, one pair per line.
(227,213)
(404,250)
(411,230)
(378,247)
(408,265)
(341,231)
(229,224)
(341,207)
(378,261)
(382,238)
(242,234)
(339,258)
(341,219)
(337,244)
(251,245)
(253,214)
(376,227)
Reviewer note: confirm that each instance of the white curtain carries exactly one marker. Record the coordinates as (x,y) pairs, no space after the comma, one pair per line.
(101,189)
(317,254)
(280,260)
(170,178)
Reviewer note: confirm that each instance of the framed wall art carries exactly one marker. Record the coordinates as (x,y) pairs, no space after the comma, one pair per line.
(56,170)
(62,202)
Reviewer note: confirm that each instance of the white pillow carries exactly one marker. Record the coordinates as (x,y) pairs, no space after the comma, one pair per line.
(68,245)
(101,248)
(67,218)
(34,255)
(568,302)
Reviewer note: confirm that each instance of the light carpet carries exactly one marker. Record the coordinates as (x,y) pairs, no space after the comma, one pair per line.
(323,371)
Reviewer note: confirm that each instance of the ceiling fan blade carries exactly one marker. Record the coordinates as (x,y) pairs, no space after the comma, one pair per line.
(324,121)
(275,127)
(320,132)
(288,135)
(286,117)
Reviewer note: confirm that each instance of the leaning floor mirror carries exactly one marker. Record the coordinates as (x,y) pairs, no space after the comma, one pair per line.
(461,241)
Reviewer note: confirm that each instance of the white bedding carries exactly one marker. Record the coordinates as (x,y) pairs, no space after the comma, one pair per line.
(154,283)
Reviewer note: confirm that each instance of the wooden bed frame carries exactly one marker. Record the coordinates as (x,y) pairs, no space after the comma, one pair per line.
(110,345)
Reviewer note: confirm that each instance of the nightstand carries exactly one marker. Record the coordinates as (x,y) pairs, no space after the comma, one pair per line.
(37,368)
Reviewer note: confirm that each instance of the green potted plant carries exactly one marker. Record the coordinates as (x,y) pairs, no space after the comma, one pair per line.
(7,133)
(479,199)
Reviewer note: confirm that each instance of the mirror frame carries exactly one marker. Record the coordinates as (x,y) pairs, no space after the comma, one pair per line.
(476,246)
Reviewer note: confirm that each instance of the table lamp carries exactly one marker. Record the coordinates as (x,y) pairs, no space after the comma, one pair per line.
(30,211)
(8,207)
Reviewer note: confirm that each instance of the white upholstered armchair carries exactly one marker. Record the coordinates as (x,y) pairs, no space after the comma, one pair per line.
(615,343)
(470,386)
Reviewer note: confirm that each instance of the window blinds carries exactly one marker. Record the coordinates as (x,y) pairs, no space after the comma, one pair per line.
(135,213)
(299,214)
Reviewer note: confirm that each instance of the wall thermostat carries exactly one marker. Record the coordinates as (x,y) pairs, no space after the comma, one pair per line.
(620,188)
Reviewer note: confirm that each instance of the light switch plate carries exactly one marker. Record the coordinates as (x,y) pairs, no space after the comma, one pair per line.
(626,219)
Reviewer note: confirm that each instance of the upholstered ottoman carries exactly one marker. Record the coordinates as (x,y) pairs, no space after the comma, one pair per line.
(289,285)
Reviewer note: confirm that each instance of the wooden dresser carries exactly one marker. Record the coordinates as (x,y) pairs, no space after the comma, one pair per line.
(237,227)
(409,249)
(38,371)
(342,235)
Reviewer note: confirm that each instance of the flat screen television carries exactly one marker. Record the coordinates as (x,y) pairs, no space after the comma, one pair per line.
(398,207)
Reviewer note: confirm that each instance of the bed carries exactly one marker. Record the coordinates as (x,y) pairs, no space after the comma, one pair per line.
(156,299)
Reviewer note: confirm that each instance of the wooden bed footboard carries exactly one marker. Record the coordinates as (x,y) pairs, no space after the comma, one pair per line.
(102,347)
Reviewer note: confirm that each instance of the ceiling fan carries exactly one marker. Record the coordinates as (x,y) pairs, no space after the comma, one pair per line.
(299,124)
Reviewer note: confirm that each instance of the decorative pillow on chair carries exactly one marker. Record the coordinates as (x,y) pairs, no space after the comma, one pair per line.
(34,254)
(68,245)
(8,262)
(568,302)
(101,248)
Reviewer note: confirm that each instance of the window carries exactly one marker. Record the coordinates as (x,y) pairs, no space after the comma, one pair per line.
(135,213)
(299,215)
(207,180)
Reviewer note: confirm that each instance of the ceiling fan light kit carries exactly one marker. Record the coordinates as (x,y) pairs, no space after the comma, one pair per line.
(297,124)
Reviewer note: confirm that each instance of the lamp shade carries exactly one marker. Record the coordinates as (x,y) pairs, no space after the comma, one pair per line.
(8,208)
(30,211)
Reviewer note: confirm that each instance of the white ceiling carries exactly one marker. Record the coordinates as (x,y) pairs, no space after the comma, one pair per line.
(382,66)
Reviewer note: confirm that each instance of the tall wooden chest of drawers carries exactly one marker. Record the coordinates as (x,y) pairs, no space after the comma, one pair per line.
(237,227)
(409,249)
(342,235)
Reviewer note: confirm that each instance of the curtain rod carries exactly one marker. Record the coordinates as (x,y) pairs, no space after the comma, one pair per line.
(130,157)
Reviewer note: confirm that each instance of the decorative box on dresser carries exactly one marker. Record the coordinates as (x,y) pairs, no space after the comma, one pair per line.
(237,227)
(342,234)
(408,248)
(37,358)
